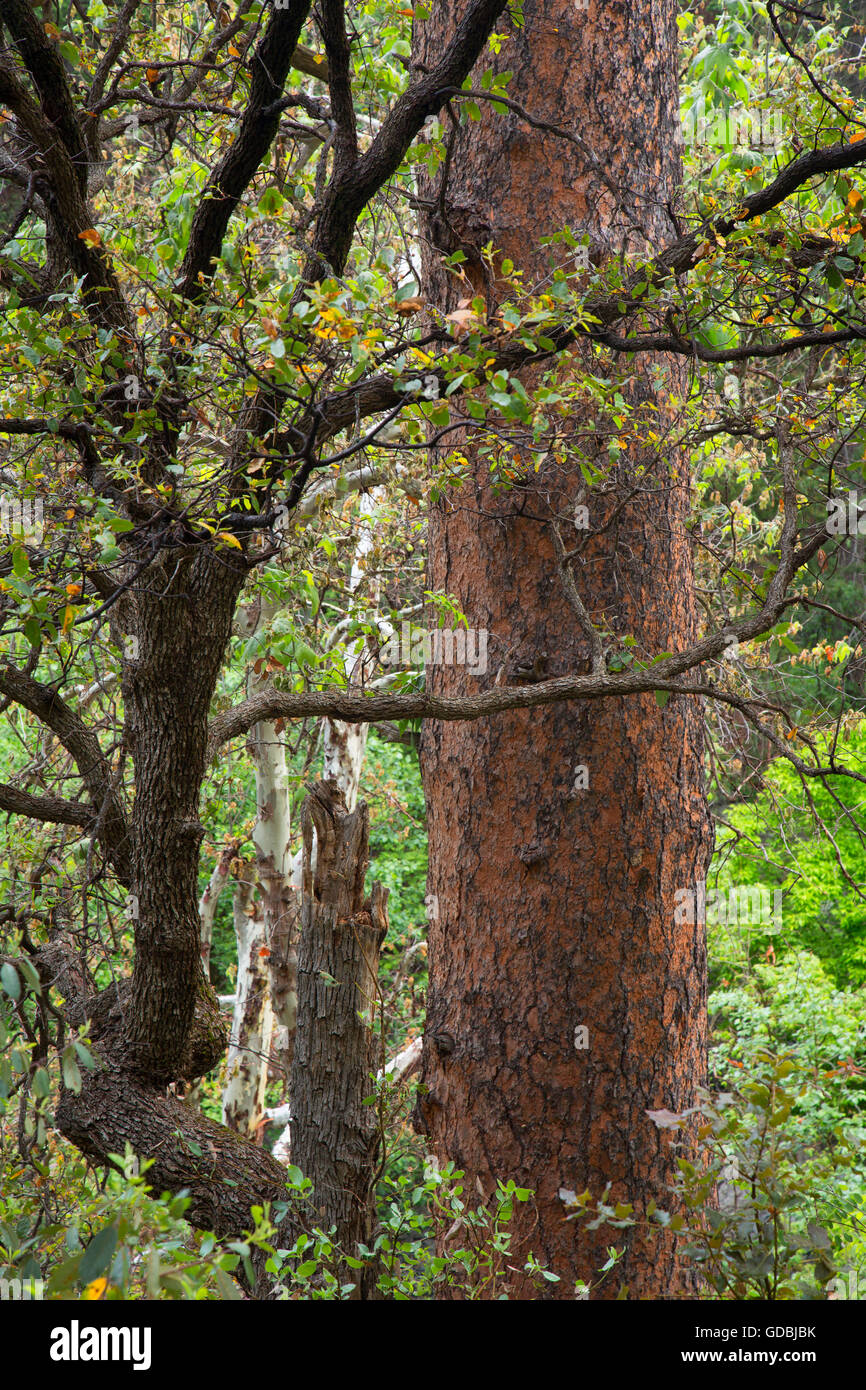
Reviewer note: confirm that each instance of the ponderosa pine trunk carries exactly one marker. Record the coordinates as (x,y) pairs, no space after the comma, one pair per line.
(554,889)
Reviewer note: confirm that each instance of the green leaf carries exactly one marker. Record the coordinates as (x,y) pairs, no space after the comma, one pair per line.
(271,202)
(228,1289)
(662,697)
(31,974)
(71,1074)
(96,1260)
(11,981)
(85,1056)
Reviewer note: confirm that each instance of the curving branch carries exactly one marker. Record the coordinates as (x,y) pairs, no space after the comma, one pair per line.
(376,394)
(56,179)
(44,808)
(81,743)
(270,66)
(41,57)
(349,193)
(661,675)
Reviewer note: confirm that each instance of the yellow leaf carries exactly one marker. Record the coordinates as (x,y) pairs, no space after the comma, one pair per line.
(95,1290)
(235,52)
(228,539)
(91,236)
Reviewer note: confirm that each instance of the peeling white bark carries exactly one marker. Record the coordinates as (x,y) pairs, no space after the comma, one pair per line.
(210,899)
(271,839)
(252,1021)
(346,744)
(263,997)
(401,1067)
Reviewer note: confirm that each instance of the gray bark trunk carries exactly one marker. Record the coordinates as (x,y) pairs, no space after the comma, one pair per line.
(335,1135)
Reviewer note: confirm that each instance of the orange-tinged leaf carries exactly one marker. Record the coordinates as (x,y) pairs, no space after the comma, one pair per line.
(408,306)
(228,539)
(235,52)
(858,135)
(463,319)
(152,74)
(91,236)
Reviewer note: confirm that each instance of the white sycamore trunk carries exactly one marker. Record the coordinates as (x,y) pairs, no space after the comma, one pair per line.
(259,934)
(252,1021)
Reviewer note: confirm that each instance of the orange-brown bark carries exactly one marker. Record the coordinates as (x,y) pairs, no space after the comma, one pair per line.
(556,901)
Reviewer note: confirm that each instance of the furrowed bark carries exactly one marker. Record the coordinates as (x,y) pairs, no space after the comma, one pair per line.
(224,1172)
(335,1136)
(182,624)
(563,1001)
